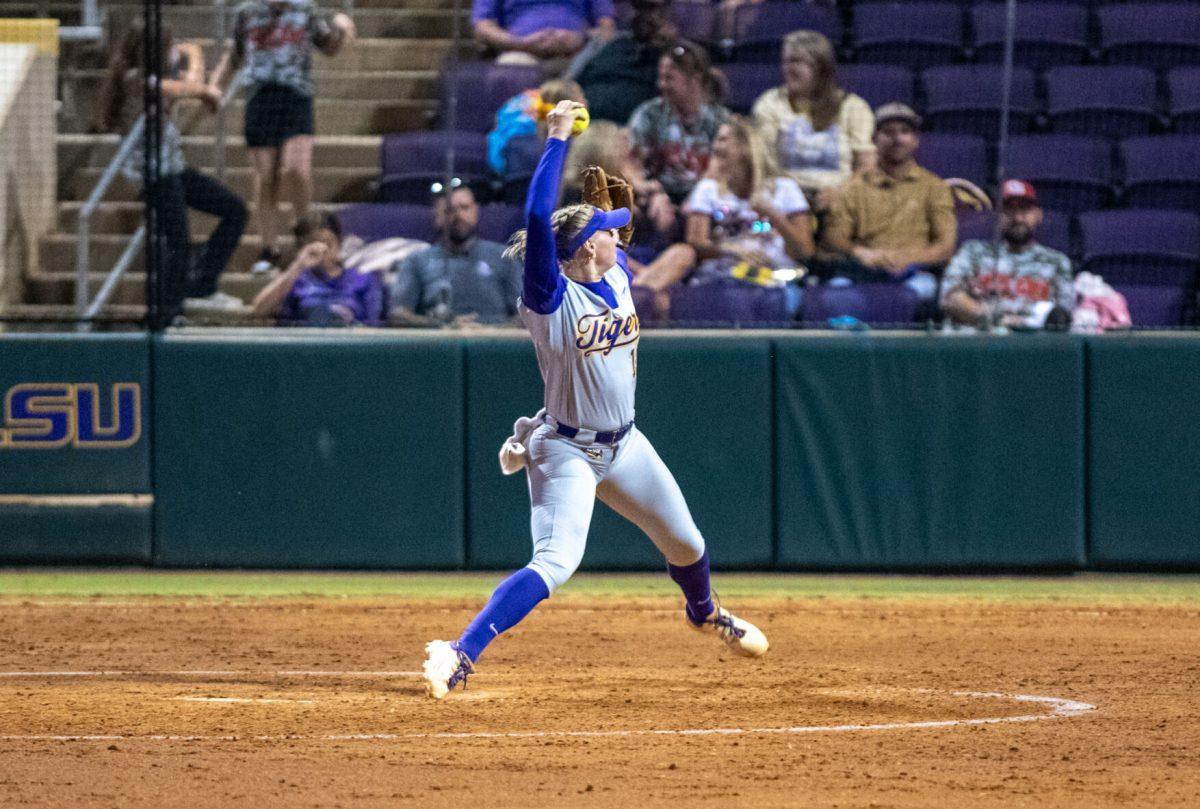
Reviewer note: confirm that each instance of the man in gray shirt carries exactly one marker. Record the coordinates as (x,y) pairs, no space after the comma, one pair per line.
(460,280)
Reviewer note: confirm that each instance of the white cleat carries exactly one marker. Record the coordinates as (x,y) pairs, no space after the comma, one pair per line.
(741,636)
(444,668)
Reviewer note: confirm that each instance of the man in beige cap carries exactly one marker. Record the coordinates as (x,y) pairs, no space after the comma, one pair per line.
(895,221)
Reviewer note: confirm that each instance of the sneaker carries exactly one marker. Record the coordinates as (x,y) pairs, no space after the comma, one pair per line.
(267,260)
(741,636)
(445,667)
(218,301)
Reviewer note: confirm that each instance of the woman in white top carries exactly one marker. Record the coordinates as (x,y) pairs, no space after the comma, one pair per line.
(821,134)
(742,212)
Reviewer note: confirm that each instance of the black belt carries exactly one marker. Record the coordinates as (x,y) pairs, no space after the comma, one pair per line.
(609,437)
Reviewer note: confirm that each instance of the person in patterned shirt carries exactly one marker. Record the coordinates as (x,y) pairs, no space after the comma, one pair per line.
(274,40)
(1015,283)
(673,134)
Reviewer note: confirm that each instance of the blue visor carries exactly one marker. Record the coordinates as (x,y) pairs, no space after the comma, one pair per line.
(601,220)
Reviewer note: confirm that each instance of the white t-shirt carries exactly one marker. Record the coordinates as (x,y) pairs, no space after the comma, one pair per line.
(735,224)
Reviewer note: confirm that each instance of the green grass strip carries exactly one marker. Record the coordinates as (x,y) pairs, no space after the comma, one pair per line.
(43,582)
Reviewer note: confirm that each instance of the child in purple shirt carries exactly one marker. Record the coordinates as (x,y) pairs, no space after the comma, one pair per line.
(316,290)
(543,29)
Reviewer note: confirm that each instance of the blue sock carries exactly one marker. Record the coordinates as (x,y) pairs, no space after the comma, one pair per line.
(693,580)
(510,603)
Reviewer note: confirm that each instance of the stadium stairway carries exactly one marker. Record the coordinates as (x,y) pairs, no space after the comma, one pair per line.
(386,81)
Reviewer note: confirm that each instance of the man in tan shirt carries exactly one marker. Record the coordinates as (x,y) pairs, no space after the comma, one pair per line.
(895,221)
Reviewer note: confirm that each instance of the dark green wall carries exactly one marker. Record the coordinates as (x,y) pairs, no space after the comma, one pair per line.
(795,451)
(48,528)
(342,451)
(705,405)
(953,453)
(1144,451)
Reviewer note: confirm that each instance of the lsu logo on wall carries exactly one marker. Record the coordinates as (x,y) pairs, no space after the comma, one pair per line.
(50,415)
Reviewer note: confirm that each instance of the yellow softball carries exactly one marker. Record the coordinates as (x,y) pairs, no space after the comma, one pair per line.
(582,119)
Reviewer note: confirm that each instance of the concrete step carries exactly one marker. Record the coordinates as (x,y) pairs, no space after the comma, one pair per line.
(76,151)
(435,21)
(330,184)
(40,317)
(358,4)
(123,218)
(85,85)
(333,117)
(374,54)
(59,287)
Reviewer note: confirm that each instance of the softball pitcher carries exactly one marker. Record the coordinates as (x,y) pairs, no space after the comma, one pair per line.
(577,305)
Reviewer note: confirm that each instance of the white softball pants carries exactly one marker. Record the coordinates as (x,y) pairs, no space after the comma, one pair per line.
(564,480)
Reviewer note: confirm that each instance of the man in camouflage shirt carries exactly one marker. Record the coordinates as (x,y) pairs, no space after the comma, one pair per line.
(1014,283)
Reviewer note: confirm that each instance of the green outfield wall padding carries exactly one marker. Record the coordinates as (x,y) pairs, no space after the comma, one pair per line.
(925,453)
(1143,450)
(308,451)
(705,404)
(37,534)
(60,432)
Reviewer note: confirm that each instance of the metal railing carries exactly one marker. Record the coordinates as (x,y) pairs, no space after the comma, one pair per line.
(87,310)
(89,30)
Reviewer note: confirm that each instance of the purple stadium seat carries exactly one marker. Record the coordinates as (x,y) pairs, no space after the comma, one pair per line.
(1158,248)
(1048,34)
(1162,171)
(1155,35)
(695,19)
(1055,231)
(372,222)
(747,81)
(1184,88)
(962,156)
(724,303)
(482,88)
(1153,307)
(880,305)
(426,151)
(878,84)
(759,28)
(1110,102)
(914,34)
(521,155)
(497,222)
(645,304)
(968,98)
(1072,173)
(413,162)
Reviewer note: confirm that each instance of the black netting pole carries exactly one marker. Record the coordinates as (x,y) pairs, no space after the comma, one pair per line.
(1010,33)
(157,313)
(451,117)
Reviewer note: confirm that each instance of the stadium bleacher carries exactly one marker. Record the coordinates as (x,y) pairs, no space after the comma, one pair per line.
(1105,115)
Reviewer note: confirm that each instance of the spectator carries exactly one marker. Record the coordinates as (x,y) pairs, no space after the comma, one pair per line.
(742,219)
(673,133)
(821,134)
(462,279)
(524,115)
(317,290)
(895,221)
(525,31)
(1015,283)
(177,187)
(622,74)
(274,40)
(658,256)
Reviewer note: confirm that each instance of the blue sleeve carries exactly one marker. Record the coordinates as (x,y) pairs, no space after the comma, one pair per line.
(485,10)
(543,284)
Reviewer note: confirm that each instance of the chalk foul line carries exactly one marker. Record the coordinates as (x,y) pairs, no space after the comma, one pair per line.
(1059,708)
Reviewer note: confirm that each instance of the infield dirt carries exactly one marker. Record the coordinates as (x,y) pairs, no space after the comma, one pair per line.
(595,664)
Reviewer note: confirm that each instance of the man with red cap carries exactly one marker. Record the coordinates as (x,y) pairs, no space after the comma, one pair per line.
(1016,282)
